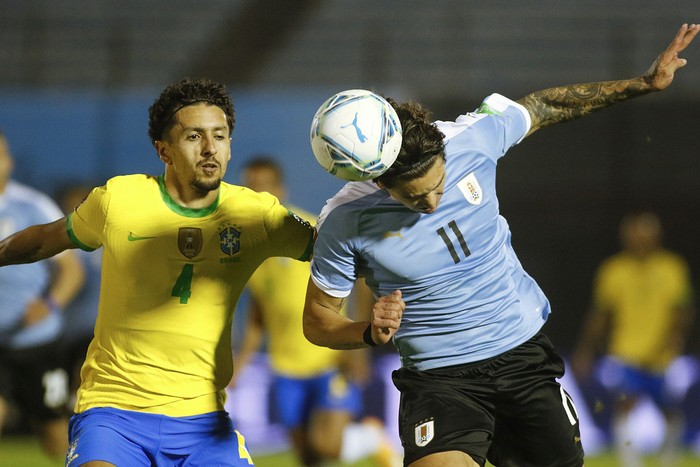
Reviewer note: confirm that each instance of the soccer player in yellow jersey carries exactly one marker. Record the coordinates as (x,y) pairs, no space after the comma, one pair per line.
(642,300)
(177,251)
(316,390)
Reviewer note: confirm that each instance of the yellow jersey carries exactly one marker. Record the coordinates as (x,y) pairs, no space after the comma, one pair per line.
(279,288)
(643,297)
(171,277)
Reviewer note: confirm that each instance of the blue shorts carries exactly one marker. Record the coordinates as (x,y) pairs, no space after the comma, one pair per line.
(637,382)
(135,439)
(296,398)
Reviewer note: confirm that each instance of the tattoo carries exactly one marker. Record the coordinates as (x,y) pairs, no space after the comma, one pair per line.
(565,103)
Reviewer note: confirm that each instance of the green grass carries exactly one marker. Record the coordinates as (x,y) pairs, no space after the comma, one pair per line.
(24,452)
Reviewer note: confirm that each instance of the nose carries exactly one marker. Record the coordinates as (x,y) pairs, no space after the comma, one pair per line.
(430,202)
(209,146)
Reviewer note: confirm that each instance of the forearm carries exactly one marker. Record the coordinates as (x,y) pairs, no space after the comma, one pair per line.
(561,104)
(69,279)
(327,328)
(565,103)
(30,245)
(252,341)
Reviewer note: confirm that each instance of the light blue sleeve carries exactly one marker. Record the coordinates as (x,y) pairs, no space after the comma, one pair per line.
(333,264)
(512,121)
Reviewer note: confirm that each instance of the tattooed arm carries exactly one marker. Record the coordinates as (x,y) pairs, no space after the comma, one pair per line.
(565,103)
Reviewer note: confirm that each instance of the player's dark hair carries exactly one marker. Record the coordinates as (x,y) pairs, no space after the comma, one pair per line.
(265,162)
(187,92)
(422,144)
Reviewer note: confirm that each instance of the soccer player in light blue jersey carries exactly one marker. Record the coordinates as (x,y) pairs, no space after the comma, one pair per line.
(478,379)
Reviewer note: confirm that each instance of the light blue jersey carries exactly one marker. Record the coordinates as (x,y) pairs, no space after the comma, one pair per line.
(467,295)
(21,207)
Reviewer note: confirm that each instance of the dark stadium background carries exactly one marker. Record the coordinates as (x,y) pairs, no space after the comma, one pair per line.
(77,77)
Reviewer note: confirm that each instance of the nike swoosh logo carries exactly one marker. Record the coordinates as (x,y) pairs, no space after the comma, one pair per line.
(136,238)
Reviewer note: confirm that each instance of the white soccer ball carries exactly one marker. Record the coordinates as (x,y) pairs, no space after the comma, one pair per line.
(356,135)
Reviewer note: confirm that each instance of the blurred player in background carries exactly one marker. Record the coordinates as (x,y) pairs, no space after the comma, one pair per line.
(317,391)
(81,313)
(178,250)
(33,296)
(643,304)
(478,378)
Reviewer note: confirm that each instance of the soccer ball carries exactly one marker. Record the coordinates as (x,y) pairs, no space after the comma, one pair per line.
(356,135)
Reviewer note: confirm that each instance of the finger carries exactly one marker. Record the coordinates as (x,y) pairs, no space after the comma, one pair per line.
(684,37)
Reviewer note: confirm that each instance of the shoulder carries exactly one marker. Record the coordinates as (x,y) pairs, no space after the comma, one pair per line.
(128,181)
(130,185)
(673,259)
(495,107)
(613,265)
(244,198)
(351,201)
(31,198)
(21,191)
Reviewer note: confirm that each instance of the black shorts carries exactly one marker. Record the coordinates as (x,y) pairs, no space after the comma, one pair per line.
(508,409)
(36,380)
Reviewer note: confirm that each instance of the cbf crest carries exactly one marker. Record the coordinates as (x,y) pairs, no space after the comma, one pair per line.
(230,240)
(189,241)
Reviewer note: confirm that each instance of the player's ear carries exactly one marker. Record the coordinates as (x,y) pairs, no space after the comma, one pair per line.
(162,150)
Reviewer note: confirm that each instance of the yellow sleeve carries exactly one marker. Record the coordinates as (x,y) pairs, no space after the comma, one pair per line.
(289,234)
(86,223)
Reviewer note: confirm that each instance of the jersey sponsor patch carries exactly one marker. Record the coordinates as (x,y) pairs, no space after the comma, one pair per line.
(425,432)
(470,188)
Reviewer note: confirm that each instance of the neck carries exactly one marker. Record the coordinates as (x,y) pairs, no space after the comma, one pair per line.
(188,196)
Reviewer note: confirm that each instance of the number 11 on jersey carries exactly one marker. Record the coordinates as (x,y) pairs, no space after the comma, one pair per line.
(448,242)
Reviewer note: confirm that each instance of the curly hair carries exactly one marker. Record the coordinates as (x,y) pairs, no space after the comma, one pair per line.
(187,92)
(422,144)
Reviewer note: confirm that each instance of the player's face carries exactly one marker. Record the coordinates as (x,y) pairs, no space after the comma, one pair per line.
(422,194)
(264,179)
(198,146)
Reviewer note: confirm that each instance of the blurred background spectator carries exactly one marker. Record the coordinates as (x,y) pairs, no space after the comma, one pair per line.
(33,381)
(640,317)
(316,392)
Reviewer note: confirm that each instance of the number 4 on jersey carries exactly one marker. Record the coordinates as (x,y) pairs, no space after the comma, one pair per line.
(183,284)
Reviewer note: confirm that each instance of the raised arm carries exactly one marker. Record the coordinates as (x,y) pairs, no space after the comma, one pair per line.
(564,103)
(35,243)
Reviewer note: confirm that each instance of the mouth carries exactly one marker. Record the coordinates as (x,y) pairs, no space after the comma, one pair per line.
(209,168)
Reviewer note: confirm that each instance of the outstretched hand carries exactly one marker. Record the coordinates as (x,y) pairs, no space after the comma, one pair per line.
(660,74)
